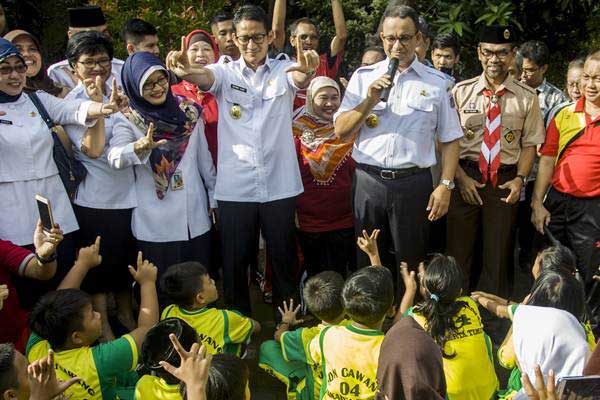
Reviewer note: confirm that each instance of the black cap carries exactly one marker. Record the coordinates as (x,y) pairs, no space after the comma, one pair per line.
(497,34)
(86,17)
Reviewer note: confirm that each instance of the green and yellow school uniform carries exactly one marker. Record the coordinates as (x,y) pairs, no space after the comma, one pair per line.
(348,356)
(470,374)
(290,362)
(154,388)
(103,370)
(221,331)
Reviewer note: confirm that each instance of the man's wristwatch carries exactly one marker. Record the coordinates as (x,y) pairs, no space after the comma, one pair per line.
(523,179)
(448,183)
(46,260)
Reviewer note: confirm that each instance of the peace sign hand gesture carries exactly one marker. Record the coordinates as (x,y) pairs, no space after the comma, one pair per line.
(147,142)
(177,60)
(307,61)
(93,88)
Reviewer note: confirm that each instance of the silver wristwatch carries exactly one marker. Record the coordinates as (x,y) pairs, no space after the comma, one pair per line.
(448,183)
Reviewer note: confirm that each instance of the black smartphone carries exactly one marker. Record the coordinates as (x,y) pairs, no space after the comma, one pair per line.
(579,387)
(45,211)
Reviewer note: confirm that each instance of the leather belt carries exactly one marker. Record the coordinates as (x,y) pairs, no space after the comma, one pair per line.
(390,173)
(475,165)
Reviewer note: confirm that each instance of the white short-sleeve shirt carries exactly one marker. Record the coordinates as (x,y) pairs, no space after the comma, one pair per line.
(257,159)
(104,187)
(419,111)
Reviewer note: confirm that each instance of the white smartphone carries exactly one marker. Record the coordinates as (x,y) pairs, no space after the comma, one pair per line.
(45,211)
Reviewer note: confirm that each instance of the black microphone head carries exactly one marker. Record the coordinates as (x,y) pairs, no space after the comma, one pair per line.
(392,68)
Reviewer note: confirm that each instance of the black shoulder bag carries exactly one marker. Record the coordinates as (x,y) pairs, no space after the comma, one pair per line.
(71,171)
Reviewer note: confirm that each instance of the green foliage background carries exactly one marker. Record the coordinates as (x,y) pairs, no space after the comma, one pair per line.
(569,27)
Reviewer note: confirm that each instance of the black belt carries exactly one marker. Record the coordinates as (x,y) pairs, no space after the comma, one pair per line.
(390,173)
(475,165)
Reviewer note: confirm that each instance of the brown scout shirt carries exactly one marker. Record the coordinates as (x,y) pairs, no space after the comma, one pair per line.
(522,123)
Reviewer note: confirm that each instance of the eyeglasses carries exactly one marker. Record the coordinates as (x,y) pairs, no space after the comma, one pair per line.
(8,69)
(403,39)
(305,37)
(90,64)
(149,86)
(501,54)
(530,71)
(257,38)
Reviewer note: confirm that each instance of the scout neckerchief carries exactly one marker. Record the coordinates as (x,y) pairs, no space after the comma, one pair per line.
(489,157)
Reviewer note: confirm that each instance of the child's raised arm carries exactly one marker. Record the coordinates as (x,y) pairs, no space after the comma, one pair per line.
(368,244)
(88,258)
(145,276)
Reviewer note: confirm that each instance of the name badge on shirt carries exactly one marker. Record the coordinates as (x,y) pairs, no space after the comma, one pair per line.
(5,122)
(471,109)
(241,89)
(177,180)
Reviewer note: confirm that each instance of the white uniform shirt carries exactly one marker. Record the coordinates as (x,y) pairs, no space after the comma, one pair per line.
(59,73)
(103,187)
(27,165)
(257,159)
(169,219)
(419,110)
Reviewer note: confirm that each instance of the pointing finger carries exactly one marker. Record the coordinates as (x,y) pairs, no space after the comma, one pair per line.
(150,132)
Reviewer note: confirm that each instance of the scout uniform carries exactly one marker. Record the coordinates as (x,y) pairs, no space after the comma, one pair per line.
(221,331)
(514,117)
(470,373)
(152,387)
(103,370)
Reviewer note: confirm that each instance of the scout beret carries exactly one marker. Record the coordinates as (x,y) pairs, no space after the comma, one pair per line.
(497,34)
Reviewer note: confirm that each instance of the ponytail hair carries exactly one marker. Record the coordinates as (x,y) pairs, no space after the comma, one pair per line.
(443,281)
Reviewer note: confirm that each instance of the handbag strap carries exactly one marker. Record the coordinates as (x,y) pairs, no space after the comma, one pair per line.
(41,109)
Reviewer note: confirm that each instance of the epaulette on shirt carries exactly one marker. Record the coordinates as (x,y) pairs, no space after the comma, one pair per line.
(282,57)
(467,82)
(435,72)
(368,68)
(524,87)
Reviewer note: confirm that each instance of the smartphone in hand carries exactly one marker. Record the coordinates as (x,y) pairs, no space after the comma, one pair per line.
(45,211)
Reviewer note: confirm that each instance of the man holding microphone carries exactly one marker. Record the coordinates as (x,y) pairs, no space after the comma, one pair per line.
(396,141)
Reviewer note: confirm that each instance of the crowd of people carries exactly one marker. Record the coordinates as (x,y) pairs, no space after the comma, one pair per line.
(394,206)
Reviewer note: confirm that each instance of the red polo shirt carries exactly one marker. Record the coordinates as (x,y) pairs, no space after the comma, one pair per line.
(13,319)
(578,171)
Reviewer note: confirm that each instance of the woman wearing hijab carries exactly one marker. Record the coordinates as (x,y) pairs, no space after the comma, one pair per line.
(163,138)
(410,364)
(37,78)
(551,338)
(27,165)
(202,50)
(326,227)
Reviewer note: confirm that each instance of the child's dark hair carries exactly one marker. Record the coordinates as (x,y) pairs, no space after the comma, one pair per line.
(8,372)
(443,280)
(323,295)
(228,378)
(368,295)
(182,282)
(561,290)
(158,347)
(558,258)
(58,314)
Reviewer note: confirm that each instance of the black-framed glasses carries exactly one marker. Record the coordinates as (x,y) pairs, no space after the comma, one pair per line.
(257,38)
(8,69)
(306,36)
(403,39)
(149,85)
(90,64)
(501,54)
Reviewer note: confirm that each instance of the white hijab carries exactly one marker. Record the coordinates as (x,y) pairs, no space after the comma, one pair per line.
(550,337)
(318,83)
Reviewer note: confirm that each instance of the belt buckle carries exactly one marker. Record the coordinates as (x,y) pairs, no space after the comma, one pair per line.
(387,174)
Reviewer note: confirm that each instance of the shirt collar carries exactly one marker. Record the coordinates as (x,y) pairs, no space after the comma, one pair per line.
(508,84)
(243,64)
(580,105)
(415,65)
(544,87)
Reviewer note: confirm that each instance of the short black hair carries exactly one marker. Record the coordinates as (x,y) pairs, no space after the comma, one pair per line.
(157,346)
(220,17)
(423,26)
(136,29)
(90,43)
(577,63)
(250,12)
(446,40)
(402,11)
(228,377)
(558,258)
(561,290)
(182,282)
(535,51)
(323,295)
(58,314)
(303,20)
(378,49)
(368,295)
(8,372)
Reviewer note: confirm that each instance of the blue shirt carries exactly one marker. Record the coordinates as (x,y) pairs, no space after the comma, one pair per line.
(419,111)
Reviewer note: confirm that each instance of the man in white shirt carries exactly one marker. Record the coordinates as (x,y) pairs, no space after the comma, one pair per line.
(258,178)
(395,144)
(83,19)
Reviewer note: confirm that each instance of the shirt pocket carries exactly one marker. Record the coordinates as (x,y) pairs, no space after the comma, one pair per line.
(472,126)
(239,105)
(273,95)
(512,129)
(422,112)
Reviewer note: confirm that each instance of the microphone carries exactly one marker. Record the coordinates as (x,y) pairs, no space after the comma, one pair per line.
(393,67)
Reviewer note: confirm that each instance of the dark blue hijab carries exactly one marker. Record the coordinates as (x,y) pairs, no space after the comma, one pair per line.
(167,117)
(7,49)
